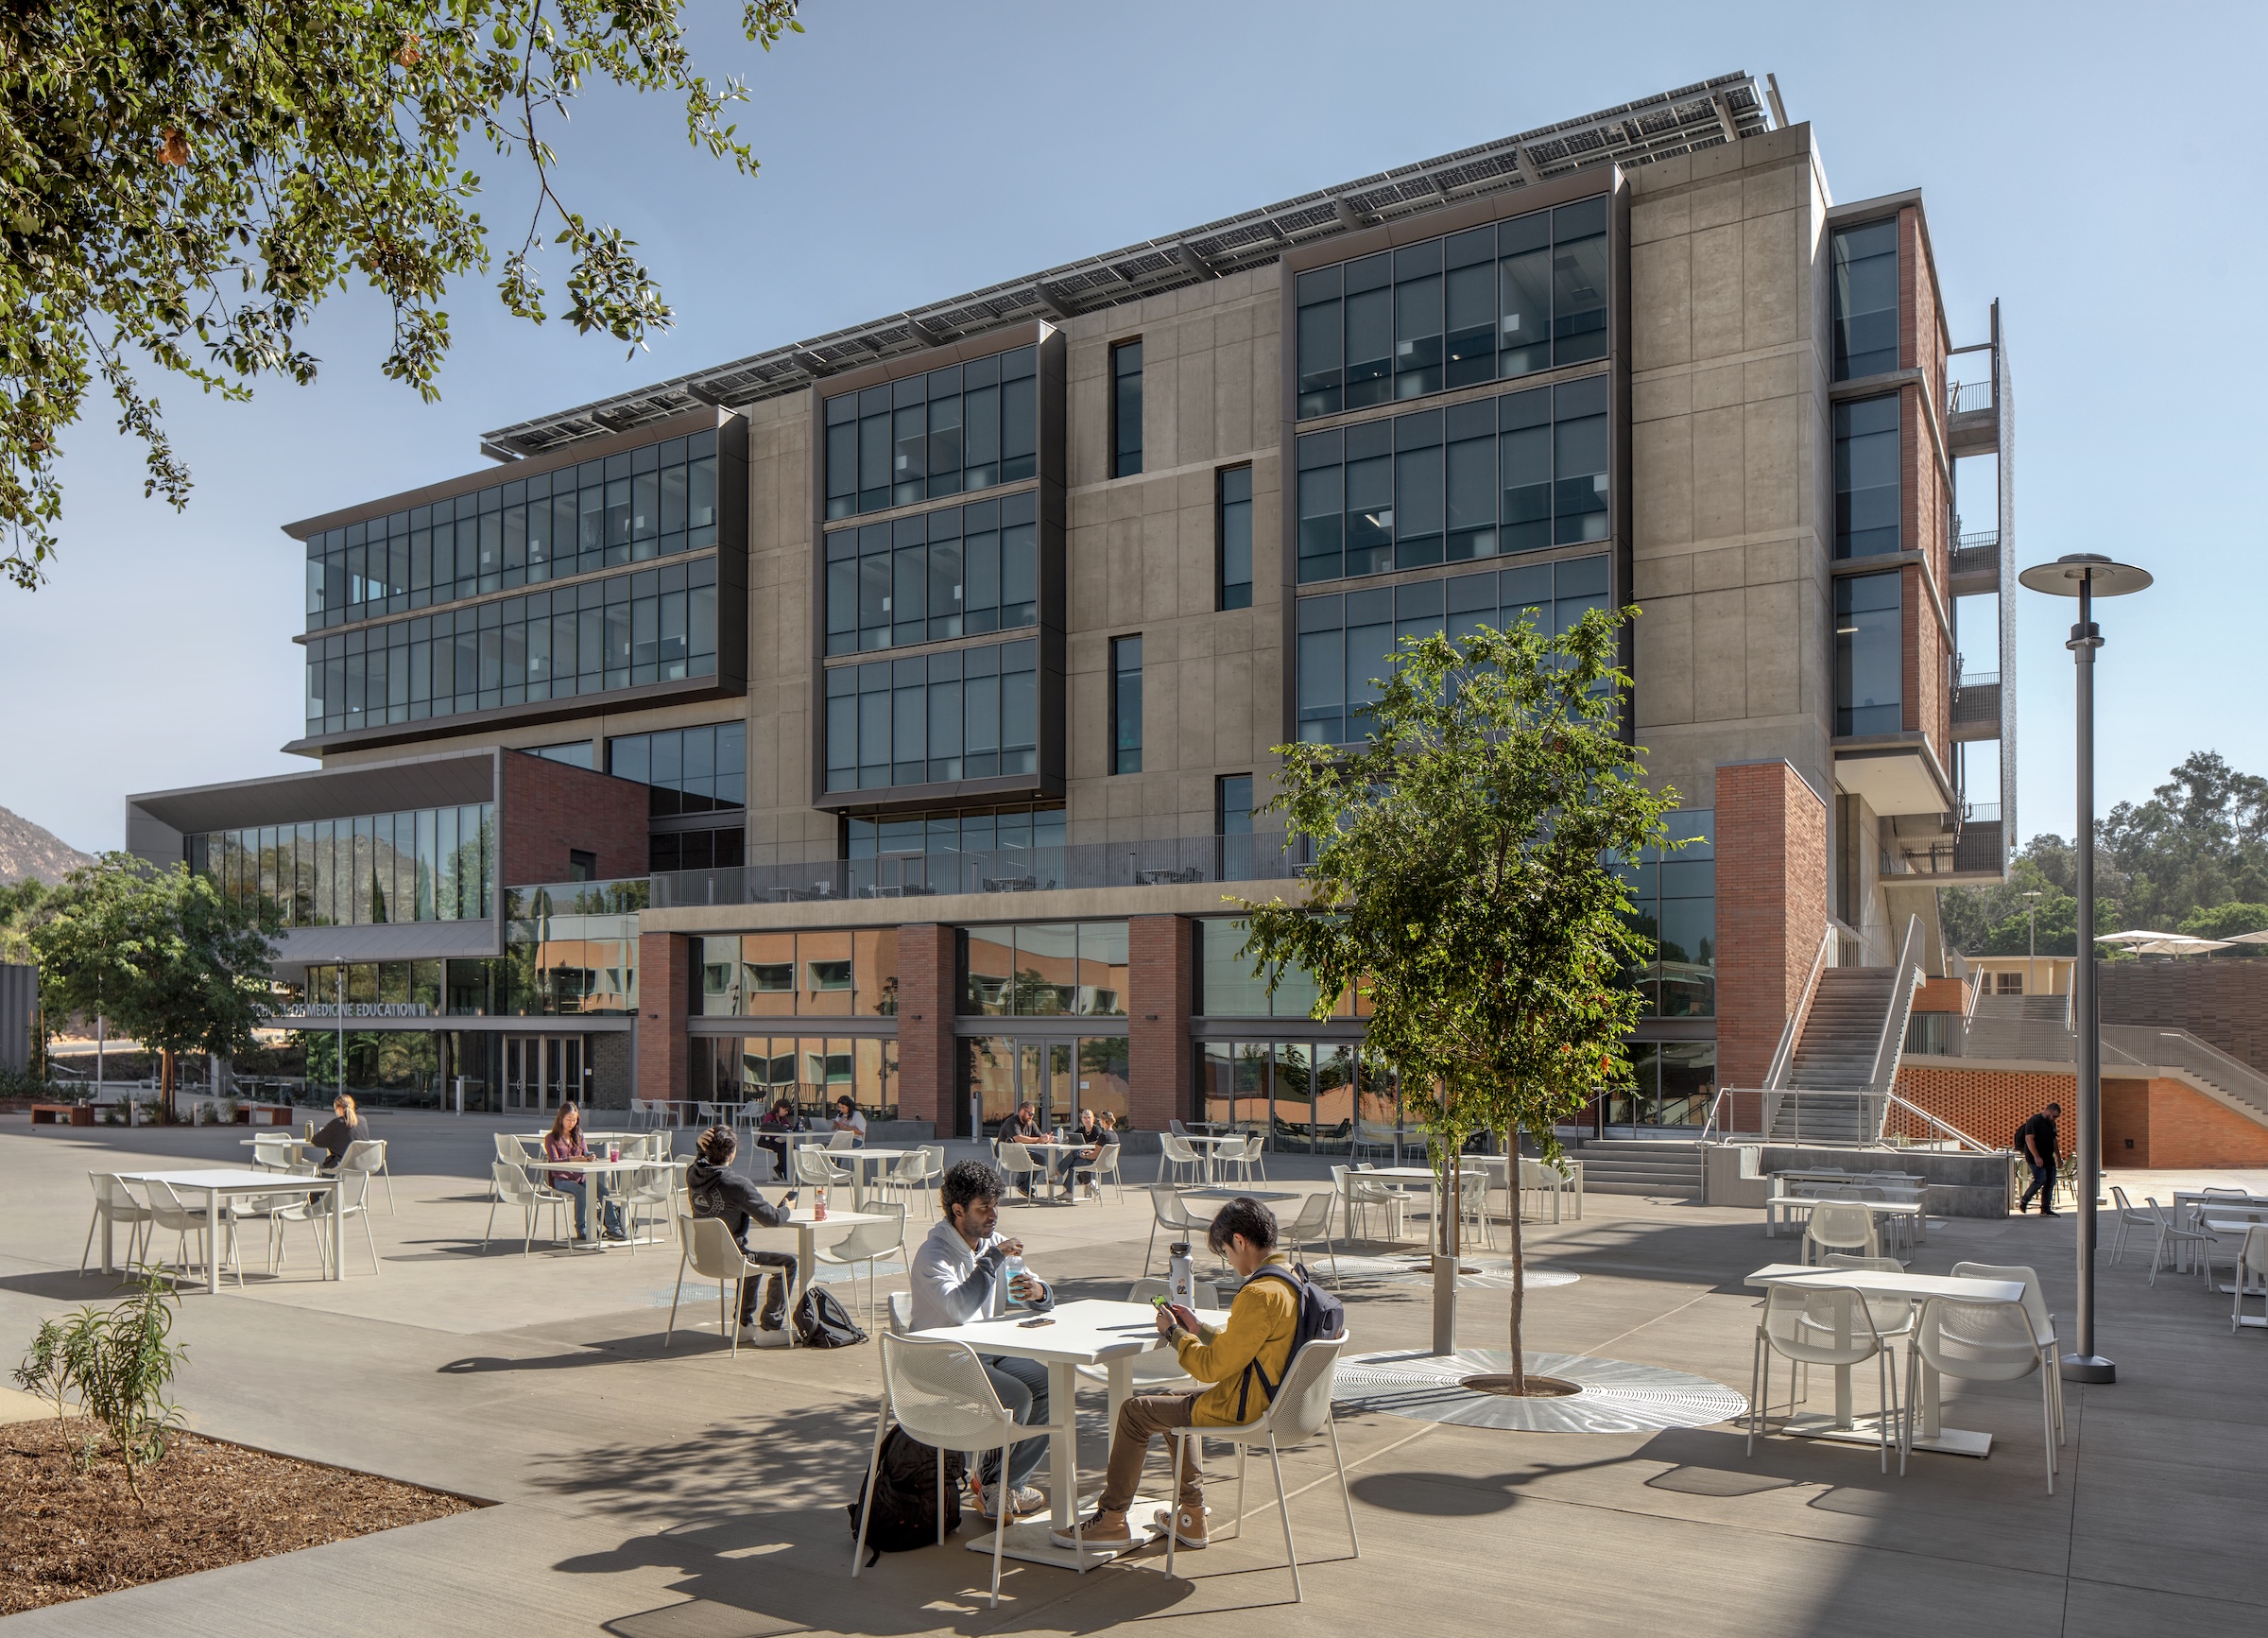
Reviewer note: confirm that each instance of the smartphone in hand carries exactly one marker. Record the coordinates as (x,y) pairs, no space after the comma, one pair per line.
(1183,1318)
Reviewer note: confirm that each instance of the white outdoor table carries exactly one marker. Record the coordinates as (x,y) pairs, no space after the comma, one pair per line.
(1054,1151)
(1111,1334)
(1779,1207)
(1929,1435)
(859,1161)
(805,1225)
(235,1182)
(2238,1226)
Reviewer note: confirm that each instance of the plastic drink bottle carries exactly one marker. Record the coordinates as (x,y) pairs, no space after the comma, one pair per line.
(1014,1273)
(1181,1277)
(818,1207)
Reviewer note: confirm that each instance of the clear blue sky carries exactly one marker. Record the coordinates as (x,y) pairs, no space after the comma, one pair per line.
(2091,166)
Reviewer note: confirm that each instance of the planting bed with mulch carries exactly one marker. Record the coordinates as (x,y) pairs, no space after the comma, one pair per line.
(66,1534)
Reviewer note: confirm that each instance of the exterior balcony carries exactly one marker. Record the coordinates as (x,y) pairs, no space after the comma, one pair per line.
(1976,713)
(1972,419)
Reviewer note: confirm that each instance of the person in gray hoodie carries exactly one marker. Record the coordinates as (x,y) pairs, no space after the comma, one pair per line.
(957,1277)
(717,1192)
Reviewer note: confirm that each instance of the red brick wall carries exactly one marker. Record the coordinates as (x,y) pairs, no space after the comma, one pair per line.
(1941,995)
(926,1004)
(2169,1122)
(665,973)
(550,808)
(1160,951)
(1772,886)
(2221,1001)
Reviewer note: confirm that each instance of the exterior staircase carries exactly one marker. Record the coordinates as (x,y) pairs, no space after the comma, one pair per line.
(1832,1069)
(1666,1168)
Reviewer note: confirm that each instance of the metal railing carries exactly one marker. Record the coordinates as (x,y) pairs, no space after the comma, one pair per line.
(1902,984)
(1167,861)
(1861,1119)
(1965,397)
(1784,1054)
(2014,1039)
(1980,540)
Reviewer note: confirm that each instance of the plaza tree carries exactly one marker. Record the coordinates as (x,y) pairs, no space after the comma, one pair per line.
(181,187)
(161,954)
(1464,873)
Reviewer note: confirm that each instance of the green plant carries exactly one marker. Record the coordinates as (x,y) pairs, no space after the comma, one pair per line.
(120,1362)
(45,1369)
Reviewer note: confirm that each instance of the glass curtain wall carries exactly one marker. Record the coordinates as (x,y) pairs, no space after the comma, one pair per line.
(1868,493)
(1058,1078)
(427,865)
(1869,655)
(811,1072)
(1306,1096)
(1044,969)
(969,714)
(1863,286)
(959,571)
(851,972)
(970,426)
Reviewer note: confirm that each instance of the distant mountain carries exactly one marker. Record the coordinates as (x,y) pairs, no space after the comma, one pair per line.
(27,852)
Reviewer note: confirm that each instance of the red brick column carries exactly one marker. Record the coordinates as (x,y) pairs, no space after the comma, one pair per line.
(665,962)
(926,1003)
(1772,886)
(1160,954)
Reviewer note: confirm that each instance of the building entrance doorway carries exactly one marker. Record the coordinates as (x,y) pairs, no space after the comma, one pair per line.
(541,1072)
(1058,1078)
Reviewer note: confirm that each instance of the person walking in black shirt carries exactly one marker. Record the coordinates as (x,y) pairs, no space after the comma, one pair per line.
(2036,1142)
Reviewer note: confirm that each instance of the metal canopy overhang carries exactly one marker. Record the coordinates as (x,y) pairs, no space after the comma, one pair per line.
(1702,115)
(448,780)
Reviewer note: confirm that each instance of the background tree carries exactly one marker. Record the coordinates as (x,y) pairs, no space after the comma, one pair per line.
(1464,874)
(180,189)
(179,968)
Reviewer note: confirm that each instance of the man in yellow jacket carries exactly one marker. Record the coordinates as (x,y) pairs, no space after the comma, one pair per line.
(1256,1341)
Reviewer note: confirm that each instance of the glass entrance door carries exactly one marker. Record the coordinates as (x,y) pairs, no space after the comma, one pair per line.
(1058,1078)
(541,1072)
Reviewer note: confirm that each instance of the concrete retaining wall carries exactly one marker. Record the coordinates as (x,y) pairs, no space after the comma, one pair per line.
(1958,1185)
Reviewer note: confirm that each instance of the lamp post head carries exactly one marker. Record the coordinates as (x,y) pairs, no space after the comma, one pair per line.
(2089,572)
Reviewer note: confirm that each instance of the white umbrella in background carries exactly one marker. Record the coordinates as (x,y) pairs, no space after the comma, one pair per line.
(2259,938)
(2133,937)
(2179,944)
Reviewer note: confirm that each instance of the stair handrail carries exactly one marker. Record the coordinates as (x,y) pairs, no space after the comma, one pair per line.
(1944,1125)
(1784,1056)
(2232,1075)
(1903,983)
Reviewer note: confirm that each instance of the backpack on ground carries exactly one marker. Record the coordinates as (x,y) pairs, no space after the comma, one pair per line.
(904,1514)
(821,1321)
(1322,1317)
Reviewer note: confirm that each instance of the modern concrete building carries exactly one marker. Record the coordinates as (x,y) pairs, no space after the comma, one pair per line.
(924,675)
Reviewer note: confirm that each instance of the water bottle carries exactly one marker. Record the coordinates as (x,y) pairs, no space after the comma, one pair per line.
(1014,1272)
(1181,1278)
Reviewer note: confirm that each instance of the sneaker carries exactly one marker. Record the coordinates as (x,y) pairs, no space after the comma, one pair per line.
(1188,1523)
(1093,1533)
(1027,1501)
(763,1336)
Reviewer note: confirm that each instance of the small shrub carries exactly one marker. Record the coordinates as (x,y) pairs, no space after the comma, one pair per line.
(119,1362)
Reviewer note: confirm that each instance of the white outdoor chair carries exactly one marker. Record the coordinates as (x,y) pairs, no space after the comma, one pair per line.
(938,1393)
(2179,1246)
(278,1153)
(1167,1211)
(712,1254)
(1176,1129)
(169,1215)
(839,1141)
(1237,1154)
(906,1177)
(649,1195)
(815,1170)
(1983,1342)
(512,1184)
(1105,1169)
(512,1152)
(868,1243)
(2130,1217)
(374,1164)
(1312,1227)
(1841,1226)
(1175,1153)
(310,1209)
(1804,1326)
(1300,1409)
(1019,1169)
(1361,1197)
(1892,1316)
(113,1192)
(2252,1263)
(355,1169)
(901,1313)
(2036,1310)
(1473,1202)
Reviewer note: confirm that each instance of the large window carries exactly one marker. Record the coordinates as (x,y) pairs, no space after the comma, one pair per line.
(655,626)
(1869,652)
(810,1072)
(1344,639)
(1674,907)
(1864,285)
(970,713)
(1126,409)
(1233,533)
(560,966)
(1044,969)
(965,427)
(1675,1082)
(1058,1078)
(1126,705)
(1488,479)
(1502,300)
(1227,986)
(850,974)
(642,503)
(427,865)
(957,572)
(1305,1095)
(686,769)
(1868,494)
(939,834)
(1232,805)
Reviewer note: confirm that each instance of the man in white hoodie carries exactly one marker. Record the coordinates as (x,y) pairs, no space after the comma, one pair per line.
(957,1277)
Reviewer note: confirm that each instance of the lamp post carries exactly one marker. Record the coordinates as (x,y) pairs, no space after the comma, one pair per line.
(2031,959)
(2086,576)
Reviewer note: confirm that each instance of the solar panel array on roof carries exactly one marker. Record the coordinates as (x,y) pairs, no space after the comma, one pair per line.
(1675,121)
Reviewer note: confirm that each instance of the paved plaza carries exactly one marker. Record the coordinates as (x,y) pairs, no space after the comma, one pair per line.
(684,1493)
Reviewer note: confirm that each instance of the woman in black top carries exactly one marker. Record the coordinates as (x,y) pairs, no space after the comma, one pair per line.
(345,1127)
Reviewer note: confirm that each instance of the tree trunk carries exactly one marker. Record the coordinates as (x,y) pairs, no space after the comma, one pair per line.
(1520,1365)
(165,1095)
